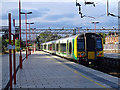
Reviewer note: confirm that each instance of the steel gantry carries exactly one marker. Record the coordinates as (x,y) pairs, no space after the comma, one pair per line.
(63,31)
(71,31)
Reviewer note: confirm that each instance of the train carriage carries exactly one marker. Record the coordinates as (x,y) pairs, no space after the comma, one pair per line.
(49,47)
(64,47)
(84,48)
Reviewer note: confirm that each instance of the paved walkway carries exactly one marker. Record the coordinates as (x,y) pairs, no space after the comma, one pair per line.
(43,70)
(4,63)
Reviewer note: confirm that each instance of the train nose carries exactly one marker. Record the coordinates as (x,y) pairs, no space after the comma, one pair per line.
(91,55)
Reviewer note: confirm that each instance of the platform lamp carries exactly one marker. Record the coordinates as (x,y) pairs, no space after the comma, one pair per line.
(95,22)
(33,38)
(26,28)
(29,37)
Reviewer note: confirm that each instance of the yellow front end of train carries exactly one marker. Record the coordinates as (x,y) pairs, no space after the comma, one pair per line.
(88,48)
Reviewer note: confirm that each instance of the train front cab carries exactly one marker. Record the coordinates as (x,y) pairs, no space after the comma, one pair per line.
(99,51)
(94,48)
(88,48)
(79,49)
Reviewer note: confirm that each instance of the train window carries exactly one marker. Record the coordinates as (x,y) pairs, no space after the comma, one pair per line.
(80,37)
(73,45)
(93,36)
(80,45)
(99,44)
(45,46)
(63,47)
(70,48)
(67,45)
(57,46)
(50,46)
(53,45)
(41,47)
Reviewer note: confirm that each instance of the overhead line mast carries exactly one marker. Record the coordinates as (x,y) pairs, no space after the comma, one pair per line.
(110,14)
(79,5)
(107,8)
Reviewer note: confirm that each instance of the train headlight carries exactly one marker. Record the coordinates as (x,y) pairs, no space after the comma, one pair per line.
(97,53)
(100,54)
(82,54)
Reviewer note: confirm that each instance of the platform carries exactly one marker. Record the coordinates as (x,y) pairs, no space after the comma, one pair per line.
(42,70)
(5,67)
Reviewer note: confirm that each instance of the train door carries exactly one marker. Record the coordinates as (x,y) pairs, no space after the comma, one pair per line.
(70,48)
(90,47)
(59,47)
(73,48)
(67,48)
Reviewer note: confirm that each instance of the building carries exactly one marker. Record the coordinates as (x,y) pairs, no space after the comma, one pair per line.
(112,43)
(112,39)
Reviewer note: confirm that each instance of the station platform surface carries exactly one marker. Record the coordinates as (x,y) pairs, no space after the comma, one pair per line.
(43,70)
(5,67)
(112,55)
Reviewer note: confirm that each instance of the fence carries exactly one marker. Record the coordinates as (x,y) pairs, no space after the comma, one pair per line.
(112,48)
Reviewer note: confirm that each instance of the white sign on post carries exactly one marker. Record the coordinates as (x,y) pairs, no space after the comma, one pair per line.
(10,46)
(13,46)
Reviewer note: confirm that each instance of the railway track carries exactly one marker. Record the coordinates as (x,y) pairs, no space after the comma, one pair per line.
(110,66)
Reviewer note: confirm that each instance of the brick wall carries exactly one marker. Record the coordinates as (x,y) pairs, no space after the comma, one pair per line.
(112,39)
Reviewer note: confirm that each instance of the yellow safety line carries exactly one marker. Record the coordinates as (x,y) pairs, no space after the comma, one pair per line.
(79,74)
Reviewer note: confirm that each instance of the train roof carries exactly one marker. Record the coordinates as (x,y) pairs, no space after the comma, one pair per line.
(68,38)
(60,39)
(49,42)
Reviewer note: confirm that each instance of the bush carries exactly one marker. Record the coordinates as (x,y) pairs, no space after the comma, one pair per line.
(17,49)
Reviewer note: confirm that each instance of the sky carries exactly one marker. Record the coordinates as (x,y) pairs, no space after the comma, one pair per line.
(61,13)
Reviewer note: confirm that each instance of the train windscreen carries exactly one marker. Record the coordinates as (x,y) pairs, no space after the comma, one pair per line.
(99,44)
(81,45)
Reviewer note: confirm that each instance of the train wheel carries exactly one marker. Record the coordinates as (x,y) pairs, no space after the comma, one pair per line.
(79,61)
(75,61)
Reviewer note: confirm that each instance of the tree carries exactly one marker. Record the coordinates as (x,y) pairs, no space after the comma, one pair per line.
(104,35)
(17,42)
(47,36)
(4,43)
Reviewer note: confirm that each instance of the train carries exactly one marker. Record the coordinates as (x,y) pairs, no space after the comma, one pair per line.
(85,48)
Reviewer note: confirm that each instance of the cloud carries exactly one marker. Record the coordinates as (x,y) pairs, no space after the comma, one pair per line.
(39,1)
(59,24)
(35,13)
(57,0)
(56,17)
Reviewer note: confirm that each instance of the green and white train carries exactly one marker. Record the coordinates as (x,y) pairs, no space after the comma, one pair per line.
(83,48)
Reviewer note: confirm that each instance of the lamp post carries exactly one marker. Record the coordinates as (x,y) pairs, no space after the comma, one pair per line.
(20,33)
(26,29)
(29,36)
(95,22)
(33,39)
